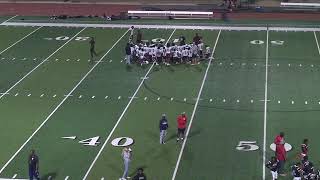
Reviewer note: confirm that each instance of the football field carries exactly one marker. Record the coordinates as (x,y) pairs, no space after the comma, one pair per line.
(54,99)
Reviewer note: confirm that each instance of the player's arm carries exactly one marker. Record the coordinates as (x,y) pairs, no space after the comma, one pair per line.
(268,165)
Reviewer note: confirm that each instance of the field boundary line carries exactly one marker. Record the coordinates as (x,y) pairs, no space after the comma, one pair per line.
(10,19)
(195,109)
(315,36)
(161,26)
(265,111)
(64,99)
(20,40)
(36,67)
(121,116)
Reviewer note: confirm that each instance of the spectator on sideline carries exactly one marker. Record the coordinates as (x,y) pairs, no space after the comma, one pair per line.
(33,163)
(140,175)
(280,152)
(126,155)
(182,124)
(163,125)
(128,53)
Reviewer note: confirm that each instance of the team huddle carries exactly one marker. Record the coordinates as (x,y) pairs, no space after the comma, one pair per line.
(303,169)
(159,51)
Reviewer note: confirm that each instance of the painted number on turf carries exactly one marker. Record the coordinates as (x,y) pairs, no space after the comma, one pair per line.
(65,38)
(277,42)
(158,40)
(247,146)
(257,42)
(122,142)
(94,141)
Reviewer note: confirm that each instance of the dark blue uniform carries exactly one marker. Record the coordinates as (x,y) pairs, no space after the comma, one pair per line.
(273,165)
(163,126)
(33,166)
(296,171)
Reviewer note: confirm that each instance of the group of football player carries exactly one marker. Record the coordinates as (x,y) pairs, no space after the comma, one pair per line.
(302,170)
(159,52)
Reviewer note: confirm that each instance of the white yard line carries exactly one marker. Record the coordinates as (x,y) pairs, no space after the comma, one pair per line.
(265,110)
(121,116)
(59,105)
(161,26)
(315,36)
(41,63)
(195,109)
(20,40)
(9,19)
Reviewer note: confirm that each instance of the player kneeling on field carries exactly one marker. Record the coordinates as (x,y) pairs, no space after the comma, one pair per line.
(274,166)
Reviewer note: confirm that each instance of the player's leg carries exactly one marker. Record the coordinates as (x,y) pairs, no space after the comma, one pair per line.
(274,175)
(126,168)
(30,173)
(179,134)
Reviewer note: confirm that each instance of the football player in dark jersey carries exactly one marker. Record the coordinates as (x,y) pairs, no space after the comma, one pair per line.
(304,148)
(274,166)
(297,171)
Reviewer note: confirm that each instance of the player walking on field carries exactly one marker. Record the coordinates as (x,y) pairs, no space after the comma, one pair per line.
(33,162)
(126,155)
(92,47)
(280,152)
(182,124)
(163,125)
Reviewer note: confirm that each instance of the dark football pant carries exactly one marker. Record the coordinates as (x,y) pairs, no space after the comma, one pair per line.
(33,174)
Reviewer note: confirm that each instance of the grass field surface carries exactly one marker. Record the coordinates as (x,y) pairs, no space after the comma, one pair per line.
(257,84)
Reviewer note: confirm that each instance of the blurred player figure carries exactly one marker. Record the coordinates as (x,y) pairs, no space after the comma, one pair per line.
(308,168)
(131,34)
(92,47)
(273,165)
(163,125)
(200,46)
(182,124)
(140,175)
(280,152)
(139,37)
(128,54)
(296,171)
(304,148)
(208,52)
(194,51)
(33,162)
(126,155)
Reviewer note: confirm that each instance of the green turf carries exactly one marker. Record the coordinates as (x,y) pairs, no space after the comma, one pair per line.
(93,117)
(227,120)
(298,84)
(230,108)
(177,82)
(53,77)
(10,35)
